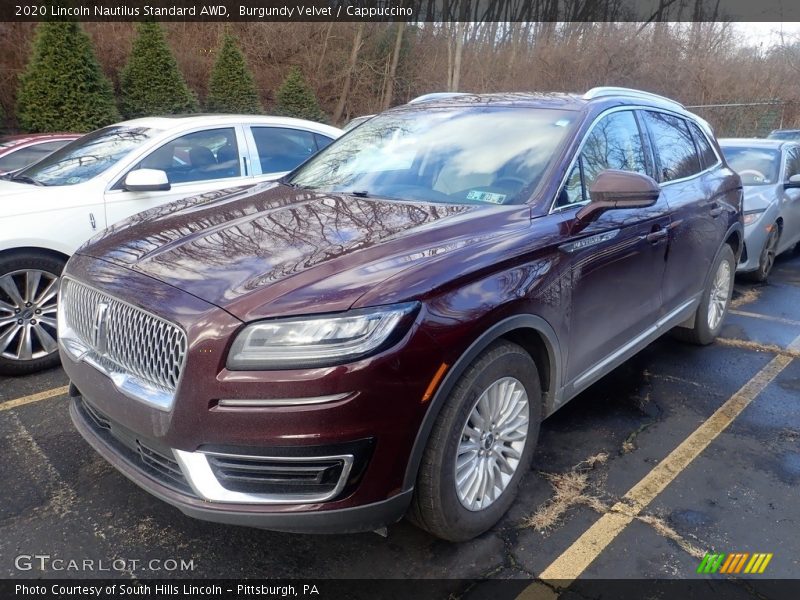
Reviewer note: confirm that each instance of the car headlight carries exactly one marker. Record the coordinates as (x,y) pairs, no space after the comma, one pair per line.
(752,216)
(319,340)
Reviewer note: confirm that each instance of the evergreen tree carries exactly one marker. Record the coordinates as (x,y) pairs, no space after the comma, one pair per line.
(150,83)
(296,98)
(63,87)
(231,88)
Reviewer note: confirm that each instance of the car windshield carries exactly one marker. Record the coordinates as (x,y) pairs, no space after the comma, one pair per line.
(756,166)
(474,155)
(86,157)
(786,134)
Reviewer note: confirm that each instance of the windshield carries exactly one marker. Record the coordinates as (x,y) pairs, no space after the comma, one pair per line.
(785,134)
(86,157)
(756,166)
(474,155)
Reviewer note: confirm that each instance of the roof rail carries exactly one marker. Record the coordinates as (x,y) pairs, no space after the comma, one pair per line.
(599,92)
(436,96)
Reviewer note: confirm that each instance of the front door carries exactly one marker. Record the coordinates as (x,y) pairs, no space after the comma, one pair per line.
(617,260)
(195,163)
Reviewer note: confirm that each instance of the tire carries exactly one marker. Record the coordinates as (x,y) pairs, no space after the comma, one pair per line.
(705,330)
(19,319)
(438,506)
(766,260)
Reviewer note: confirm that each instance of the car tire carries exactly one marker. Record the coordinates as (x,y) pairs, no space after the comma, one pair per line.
(459,513)
(714,302)
(766,259)
(28,313)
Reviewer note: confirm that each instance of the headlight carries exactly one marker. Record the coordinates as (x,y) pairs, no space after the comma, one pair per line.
(318,341)
(752,216)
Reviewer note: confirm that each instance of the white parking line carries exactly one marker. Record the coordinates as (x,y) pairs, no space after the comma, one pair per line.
(752,315)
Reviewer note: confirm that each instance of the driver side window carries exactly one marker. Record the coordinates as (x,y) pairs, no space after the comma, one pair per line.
(198,156)
(615,142)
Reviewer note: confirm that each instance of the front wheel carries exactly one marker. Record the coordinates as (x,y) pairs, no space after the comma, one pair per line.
(767,258)
(714,302)
(29,285)
(481,445)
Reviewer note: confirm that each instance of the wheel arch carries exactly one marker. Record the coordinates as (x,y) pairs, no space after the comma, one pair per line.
(532,333)
(34,250)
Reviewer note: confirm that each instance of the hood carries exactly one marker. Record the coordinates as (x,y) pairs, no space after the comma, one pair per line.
(278,251)
(759,197)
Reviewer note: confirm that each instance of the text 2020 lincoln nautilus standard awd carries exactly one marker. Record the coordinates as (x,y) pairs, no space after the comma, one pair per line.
(381,332)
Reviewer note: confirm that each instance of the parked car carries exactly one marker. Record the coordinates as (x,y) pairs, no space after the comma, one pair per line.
(50,208)
(18,151)
(784,134)
(383,330)
(770,172)
(356,121)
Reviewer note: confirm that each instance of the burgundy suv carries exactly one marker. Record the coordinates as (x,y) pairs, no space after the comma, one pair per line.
(382,331)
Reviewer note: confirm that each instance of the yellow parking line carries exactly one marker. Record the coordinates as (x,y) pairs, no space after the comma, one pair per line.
(60,391)
(752,315)
(575,559)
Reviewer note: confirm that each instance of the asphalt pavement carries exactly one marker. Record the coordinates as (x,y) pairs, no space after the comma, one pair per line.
(737,492)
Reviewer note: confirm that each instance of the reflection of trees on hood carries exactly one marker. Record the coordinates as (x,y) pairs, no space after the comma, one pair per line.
(282,235)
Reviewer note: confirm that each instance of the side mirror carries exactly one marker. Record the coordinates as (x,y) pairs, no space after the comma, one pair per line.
(794,182)
(146,180)
(619,189)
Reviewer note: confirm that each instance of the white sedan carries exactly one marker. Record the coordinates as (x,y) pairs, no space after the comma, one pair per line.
(49,209)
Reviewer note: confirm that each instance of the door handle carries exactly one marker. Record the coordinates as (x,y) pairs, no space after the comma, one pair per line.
(716,210)
(656,236)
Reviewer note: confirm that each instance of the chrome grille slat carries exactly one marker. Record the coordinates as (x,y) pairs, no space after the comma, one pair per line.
(136,343)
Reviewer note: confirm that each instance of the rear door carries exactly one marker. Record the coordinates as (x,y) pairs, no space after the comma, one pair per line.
(685,167)
(195,163)
(617,260)
(790,203)
(275,151)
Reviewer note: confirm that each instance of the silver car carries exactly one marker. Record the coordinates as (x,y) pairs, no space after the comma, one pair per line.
(770,172)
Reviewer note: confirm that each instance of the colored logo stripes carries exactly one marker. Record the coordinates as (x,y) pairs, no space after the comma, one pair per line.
(734,563)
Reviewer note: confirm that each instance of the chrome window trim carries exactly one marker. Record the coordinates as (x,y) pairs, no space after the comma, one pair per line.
(204,483)
(614,109)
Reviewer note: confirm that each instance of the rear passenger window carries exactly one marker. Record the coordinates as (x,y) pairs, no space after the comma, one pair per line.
(707,154)
(674,145)
(613,143)
(282,149)
(322,141)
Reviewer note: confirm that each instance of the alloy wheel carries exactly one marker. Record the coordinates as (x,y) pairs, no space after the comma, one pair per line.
(492,442)
(720,293)
(769,252)
(28,306)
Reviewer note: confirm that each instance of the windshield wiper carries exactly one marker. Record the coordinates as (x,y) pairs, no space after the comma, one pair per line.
(359,193)
(25,179)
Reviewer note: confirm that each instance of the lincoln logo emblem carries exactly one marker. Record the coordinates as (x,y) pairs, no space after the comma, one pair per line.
(99,331)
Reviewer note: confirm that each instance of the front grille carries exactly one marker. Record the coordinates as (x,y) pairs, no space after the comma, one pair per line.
(123,338)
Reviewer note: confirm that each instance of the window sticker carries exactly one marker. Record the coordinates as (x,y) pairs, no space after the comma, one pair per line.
(486,197)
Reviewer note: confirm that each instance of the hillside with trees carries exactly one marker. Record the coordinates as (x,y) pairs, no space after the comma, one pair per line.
(353,69)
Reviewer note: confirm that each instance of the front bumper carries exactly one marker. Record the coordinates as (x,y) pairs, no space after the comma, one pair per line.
(755,237)
(370,409)
(158,478)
